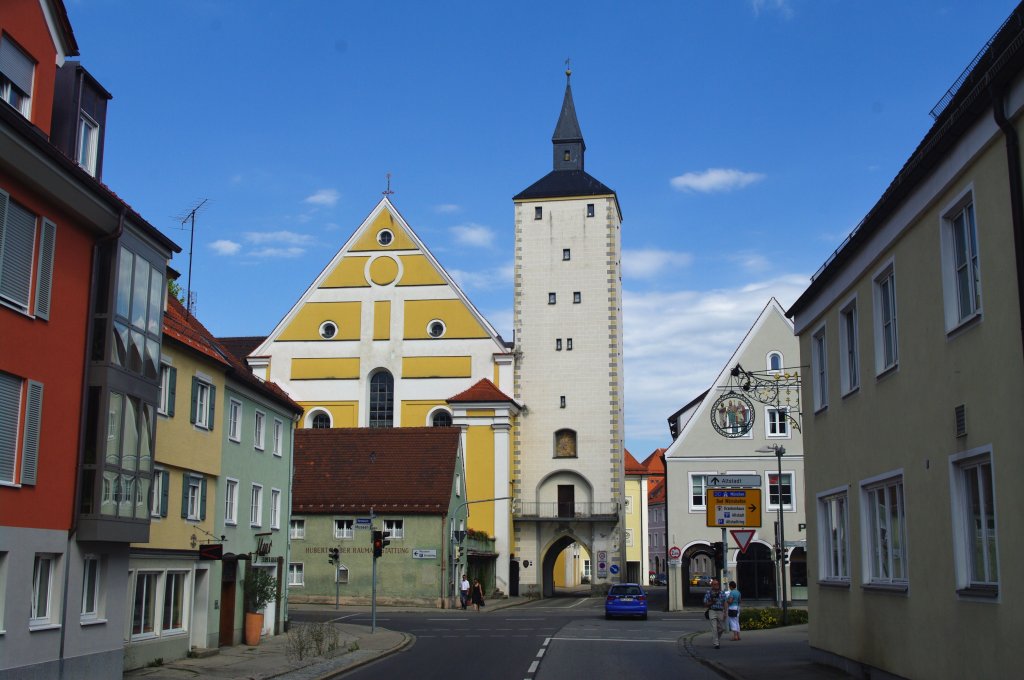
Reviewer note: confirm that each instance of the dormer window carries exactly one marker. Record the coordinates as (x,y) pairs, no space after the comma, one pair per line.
(16,73)
(88,142)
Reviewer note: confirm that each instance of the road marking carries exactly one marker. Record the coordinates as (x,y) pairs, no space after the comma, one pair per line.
(569,639)
(540,653)
(577,604)
(546,641)
(446,619)
(342,618)
(518,619)
(533,667)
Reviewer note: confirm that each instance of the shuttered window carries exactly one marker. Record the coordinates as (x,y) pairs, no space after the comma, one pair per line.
(11,388)
(10,408)
(16,73)
(17,248)
(30,443)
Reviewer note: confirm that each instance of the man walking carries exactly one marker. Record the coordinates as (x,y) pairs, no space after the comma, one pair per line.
(464,591)
(714,607)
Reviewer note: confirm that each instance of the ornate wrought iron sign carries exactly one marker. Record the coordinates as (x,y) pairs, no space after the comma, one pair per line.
(732,415)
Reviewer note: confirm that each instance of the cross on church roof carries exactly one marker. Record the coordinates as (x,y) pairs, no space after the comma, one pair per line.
(388,191)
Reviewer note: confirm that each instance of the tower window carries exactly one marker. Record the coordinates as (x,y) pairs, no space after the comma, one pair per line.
(558,345)
(577,298)
(551,298)
(538,213)
(565,444)
(566,255)
(568,344)
(590,209)
(561,402)
(566,156)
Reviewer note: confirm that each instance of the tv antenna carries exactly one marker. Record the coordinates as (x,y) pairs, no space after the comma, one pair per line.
(190,216)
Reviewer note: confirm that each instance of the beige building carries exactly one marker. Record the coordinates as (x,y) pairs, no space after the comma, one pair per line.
(701,453)
(912,331)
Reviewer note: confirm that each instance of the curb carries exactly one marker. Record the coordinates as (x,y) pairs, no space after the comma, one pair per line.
(407,641)
(708,663)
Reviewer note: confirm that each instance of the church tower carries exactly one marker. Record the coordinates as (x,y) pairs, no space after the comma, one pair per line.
(568,469)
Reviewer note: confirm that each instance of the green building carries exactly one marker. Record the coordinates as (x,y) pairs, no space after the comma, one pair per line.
(407,481)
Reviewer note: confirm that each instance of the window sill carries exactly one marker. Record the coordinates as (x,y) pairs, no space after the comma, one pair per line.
(886,372)
(231,523)
(35,627)
(235,441)
(964,325)
(834,583)
(259,448)
(851,392)
(887,587)
(92,622)
(979,592)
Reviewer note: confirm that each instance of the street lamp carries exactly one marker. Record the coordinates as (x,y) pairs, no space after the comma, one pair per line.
(779,452)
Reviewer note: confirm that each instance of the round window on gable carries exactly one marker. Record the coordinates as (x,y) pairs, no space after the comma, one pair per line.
(328,329)
(436,328)
(385,237)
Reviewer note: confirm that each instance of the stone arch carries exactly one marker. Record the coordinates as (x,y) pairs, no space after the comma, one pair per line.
(551,552)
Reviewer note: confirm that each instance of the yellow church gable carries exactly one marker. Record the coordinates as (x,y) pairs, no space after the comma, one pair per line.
(308,322)
(458,321)
(350,273)
(384,233)
(417,270)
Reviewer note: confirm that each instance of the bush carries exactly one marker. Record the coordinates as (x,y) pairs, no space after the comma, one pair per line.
(258,590)
(769,617)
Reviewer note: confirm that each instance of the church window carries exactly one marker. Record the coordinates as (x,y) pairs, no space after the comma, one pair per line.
(590,209)
(441,419)
(436,328)
(568,344)
(538,213)
(566,156)
(385,237)
(382,405)
(321,420)
(551,298)
(565,444)
(566,254)
(774,361)
(561,402)
(558,344)
(577,298)
(328,329)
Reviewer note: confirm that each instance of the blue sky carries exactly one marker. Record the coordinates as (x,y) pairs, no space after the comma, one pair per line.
(745,139)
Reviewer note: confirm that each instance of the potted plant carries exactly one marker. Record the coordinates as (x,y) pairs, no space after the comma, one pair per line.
(259,589)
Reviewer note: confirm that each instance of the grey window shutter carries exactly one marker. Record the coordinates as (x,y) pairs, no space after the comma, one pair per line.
(10,409)
(164,484)
(5,199)
(33,423)
(19,236)
(172,383)
(202,499)
(195,394)
(44,269)
(16,65)
(184,495)
(213,401)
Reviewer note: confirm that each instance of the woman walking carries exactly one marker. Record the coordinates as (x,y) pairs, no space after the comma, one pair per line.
(477,594)
(733,600)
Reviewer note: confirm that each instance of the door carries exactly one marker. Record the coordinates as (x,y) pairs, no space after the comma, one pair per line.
(229,569)
(566,500)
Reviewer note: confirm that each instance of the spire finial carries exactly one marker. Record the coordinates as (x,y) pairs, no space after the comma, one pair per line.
(388,191)
(568,69)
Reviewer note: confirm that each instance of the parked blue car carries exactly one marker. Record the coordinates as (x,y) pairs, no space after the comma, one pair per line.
(626,599)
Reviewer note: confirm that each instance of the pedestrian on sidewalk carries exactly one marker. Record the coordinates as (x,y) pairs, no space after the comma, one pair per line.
(478,594)
(714,608)
(732,599)
(464,591)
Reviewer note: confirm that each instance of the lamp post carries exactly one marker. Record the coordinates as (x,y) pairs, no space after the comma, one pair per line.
(451,537)
(779,452)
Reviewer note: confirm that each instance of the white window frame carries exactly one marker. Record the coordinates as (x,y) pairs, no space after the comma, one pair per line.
(194,509)
(296,574)
(202,412)
(965,534)
(275,508)
(7,86)
(259,430)
(166,578)
(47,617)
(819,368)
(690,477)
(157,600)
(91,615)
(88,142)
(776,423)
(157,490)
(396,527)
(458,484)
(956,315)
(344,532)
(234,420)
(256,505)
(231,501)
(884,287)
(849,348)
(786,507)
(768,361)
(871,531)
(165,389)
(297,528)
(834,535)
(278,437)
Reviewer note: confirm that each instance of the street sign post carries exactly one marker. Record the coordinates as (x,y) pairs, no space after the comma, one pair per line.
(737,481)
(674,553)
(733,508)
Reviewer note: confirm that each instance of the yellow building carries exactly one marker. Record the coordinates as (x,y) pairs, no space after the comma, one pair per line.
(383,337)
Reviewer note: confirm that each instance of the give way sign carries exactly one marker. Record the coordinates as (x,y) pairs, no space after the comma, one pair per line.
(742,538)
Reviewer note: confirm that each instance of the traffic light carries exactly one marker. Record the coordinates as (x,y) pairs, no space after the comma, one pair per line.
(334,558)
(385,535)
(378,544)
(719,549)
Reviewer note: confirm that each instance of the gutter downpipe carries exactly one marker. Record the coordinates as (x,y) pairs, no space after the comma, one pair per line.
(1016,193)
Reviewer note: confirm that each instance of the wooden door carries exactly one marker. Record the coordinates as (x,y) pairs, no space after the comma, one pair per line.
(227,603)
(566,500)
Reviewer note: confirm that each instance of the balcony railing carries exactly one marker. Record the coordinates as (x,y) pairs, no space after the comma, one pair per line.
(562,510)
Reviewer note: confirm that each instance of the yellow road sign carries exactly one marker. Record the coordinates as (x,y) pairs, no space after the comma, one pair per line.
(733,508)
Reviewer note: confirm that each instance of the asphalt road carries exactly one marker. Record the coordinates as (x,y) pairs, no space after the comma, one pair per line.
(552,639)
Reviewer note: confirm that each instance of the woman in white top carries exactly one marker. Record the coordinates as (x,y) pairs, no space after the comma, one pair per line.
(732,599)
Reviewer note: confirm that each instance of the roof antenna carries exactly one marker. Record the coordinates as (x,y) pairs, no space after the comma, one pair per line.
(388,191)
(190,216)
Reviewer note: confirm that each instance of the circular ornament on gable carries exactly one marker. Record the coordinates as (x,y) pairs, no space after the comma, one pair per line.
(328,329)
(383,270)
(385,237)
(732,415)
(436,328)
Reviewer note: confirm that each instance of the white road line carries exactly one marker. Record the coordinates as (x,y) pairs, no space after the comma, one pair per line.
(577,604)
(540,653)
(547,641)
(517,619)
(533,667)
(567,639)
(445,619)
(342,618)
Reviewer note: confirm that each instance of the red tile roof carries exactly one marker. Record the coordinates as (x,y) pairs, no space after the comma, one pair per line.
(482,390)
(656,489)
(654,463)
(241,346)
(633,467)
(392,470)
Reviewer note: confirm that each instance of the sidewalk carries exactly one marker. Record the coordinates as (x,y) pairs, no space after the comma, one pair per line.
(775,653)
(270,658)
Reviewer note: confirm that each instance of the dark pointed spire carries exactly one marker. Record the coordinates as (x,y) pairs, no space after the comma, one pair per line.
(568,138)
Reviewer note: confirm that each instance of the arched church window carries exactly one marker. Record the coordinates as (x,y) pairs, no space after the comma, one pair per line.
(565,444)
(321,420)
(441,419)
(775,361)
(382,400)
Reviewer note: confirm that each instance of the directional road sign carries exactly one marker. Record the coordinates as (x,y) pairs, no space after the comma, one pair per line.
(726,481)
(733,508)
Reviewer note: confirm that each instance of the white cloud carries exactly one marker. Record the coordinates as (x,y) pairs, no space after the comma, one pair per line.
(472,234)
(676,343)
(324,197)
(225,247)
(715,179)
(783,7)
(447,208)
(488,279)
(277,252)
(751,261)
(650,263)
(283,236)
